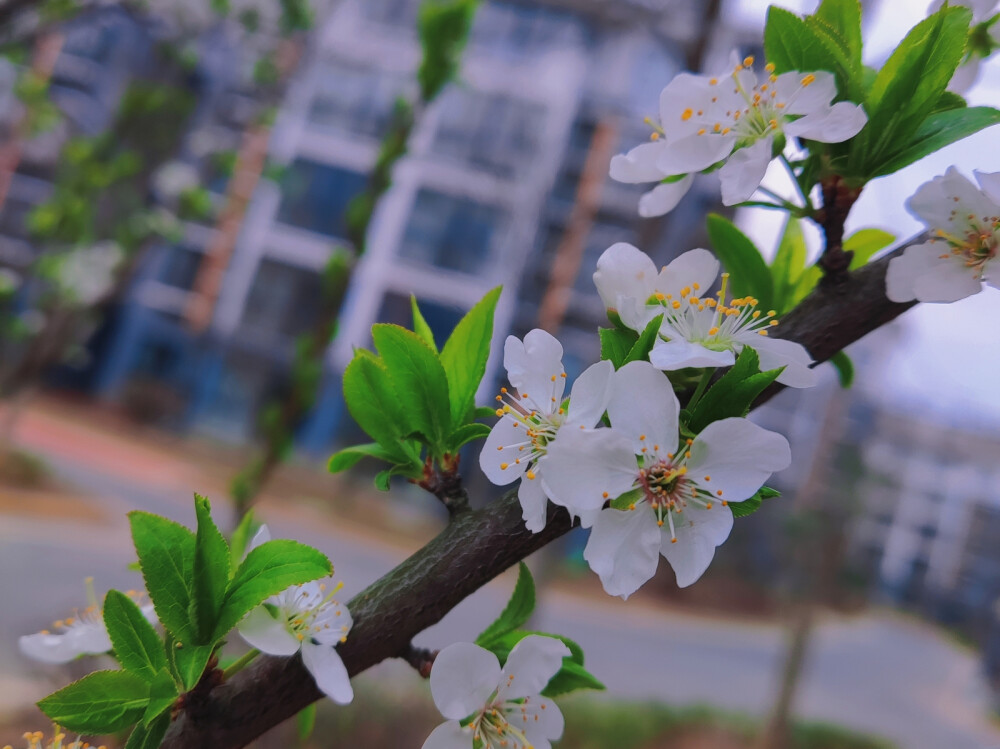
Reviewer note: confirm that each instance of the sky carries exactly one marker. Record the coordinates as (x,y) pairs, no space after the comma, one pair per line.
(946,362)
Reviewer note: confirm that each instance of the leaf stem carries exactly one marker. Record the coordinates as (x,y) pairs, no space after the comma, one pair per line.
(700,390)
(240,663)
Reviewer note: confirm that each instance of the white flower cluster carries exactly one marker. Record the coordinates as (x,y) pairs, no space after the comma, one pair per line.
(738,118)
(673,492)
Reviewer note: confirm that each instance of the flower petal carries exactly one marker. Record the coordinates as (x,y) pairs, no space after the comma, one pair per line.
(449,735)
(89,639)
(644,405)
(950,282)
(534,504)
(544,721)
(624,271)
(989,182)
(679,353)
(698,532)
(744,170)
(836,124)
(532,364)
(586,467)
(588,400)
(739,456)
(664,197)
(780,352)
(638,165)
(500,449)
(694,153)
(262,536)
(268,634)
(623,549)
(463,677)
(903,271)
(326,667)
(47,648)
(696,268)
(530,665)
(804,98)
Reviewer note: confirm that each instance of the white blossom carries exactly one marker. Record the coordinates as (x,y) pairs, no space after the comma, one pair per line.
(86,274)
(960,256)
(535,418)
(738,119)
(307,619)
(493,708)
(683,488)
(174,178)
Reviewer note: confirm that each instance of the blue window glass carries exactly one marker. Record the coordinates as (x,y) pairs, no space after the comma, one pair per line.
(451,232)
(315,196)
(442,318)
(180,266)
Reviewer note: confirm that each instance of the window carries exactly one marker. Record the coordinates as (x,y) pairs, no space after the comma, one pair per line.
(315,196)
(180,266)
(450,232)
(353,99)
(283,302)
(513,30)
(93,41)
(497,134)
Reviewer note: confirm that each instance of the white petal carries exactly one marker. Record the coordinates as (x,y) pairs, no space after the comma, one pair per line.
(624,271)
(543,723)
(326,667)
(588,400)
(449,735)
(530,665)
(89,639)
(462,678)
(833,125)
(644,405)
(989,182)
(267,634)
(500,449)
(698,532)
(743,172)
(694,153)
(779,352)
(965,76)
(945,201)
(685,92)
(47,648)
(638,165)
(338,623)
(810,98)
(532,364)
(679,353)
(262,536)
(664,197)
(950,282)
(636,315)
(623,549)
(903,271)
(534,504)
(586,467)
(738,455)
(695,267)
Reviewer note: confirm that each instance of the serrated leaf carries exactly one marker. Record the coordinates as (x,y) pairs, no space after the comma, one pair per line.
(517,611)
(151,736)
(751,505)
(137,646)
(844,16)
(572,677)
(647,339)
(211,572)
(349,456)
(734,392)
(420,326)
(373,403)
(866,242)
(465,434)
(948,100)
(465,354)
(190,662)
(789,263)
(749,274)
(162,695)
(418,380)
(845,368)
(266,571)
(616,344)
(101,702)
(166,557)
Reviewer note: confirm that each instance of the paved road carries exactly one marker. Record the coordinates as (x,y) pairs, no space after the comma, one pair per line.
(882,674)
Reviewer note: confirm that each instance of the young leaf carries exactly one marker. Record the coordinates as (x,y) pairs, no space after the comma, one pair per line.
(420,326)
(162,694)
(137,646)
(99,703)
(571,677)
(517,611)
(751,505)
(268,570)
(211,571)
(734,393)
(845,368)
(843,17)
(467,433)
(616,344)
(190,662)
(789,262)
(373,403)
(166,557)
(866,242)
(305,722)
(149,736)
(749,273)
(349,456)
(465,353)
(418,380)
(647,339)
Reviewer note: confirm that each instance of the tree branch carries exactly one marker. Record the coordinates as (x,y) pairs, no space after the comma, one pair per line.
(473,549)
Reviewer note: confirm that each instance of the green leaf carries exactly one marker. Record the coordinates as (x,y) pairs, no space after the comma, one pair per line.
(789,262)
(866,242)
(647,339)
(502,645)
(627,499)
(99,703)
(162,694)
(807,282)
(845,368)
(749,274)
(751,505)
(151,736)
(616,344)
(484,412)
(190,662)
(349,456)
(241,537)
(166,557)
(382,480)
(211,571)
(268,570)
(935,132)
(305,722)
(420,326)
(137,646)
(948,100)
(734,392)
(517,611)
(465,434)
(571,677)
(444,29)
(907,88)
(464,356)
(373,403)
(844,18)
(419,381)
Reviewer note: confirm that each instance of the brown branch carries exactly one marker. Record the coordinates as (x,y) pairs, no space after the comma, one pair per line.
(474,548)
(421,659)
(838,199)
